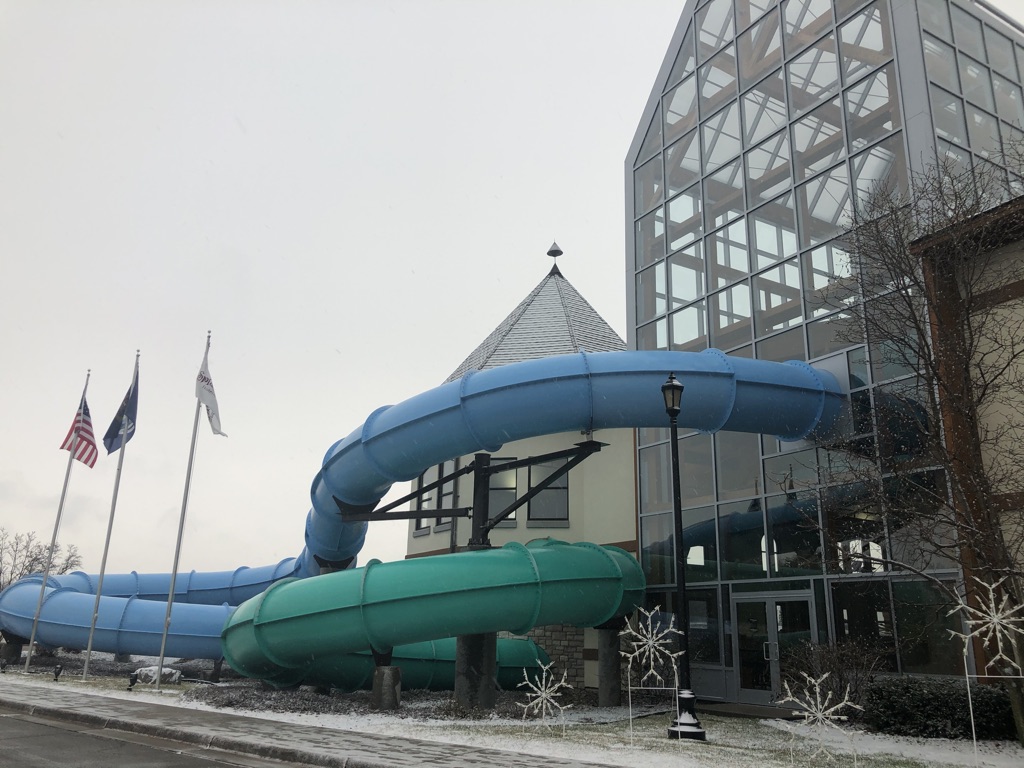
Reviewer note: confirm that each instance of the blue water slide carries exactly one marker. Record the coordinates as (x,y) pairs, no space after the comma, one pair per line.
(479,412)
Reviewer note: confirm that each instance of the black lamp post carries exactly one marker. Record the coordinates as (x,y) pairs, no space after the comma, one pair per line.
(686,725)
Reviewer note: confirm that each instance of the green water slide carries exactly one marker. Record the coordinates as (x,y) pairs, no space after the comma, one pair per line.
(305,630)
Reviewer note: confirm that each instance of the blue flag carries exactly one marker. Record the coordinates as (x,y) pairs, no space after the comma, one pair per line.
(128,410)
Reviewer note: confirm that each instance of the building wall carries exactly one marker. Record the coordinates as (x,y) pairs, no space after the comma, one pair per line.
(602,507)
(767,125)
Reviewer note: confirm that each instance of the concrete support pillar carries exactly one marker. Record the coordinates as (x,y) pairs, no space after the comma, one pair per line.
(609,668)
(387,688)
(476,671)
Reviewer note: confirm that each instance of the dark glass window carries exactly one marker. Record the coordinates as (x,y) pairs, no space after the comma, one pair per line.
(742,540)
(502,489)
(924,624)
(657,557)
(862,612)
(794,534)
(701,548)
(705,626)
(553,502)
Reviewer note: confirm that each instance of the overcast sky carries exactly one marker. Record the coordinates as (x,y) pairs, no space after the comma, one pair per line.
(351,195)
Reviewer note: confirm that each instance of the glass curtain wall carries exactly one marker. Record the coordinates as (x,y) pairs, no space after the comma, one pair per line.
(774,121)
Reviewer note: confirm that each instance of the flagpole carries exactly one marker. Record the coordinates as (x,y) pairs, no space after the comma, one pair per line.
(56,524)
(181,530)
(110,524)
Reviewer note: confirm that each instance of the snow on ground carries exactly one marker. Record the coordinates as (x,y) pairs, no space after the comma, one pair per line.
(601,735)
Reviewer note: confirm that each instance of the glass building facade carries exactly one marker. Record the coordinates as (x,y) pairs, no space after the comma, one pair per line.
(770,121)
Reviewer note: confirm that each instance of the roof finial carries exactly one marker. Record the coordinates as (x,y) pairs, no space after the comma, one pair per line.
(554,252)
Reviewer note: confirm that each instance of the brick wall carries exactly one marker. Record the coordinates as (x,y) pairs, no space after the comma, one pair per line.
(564,644)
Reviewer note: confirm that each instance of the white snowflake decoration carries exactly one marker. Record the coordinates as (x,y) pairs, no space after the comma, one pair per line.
(652,645)
(817,710)
(995,623)
(541,696)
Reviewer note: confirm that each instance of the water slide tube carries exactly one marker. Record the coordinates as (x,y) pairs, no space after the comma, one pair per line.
(479,412)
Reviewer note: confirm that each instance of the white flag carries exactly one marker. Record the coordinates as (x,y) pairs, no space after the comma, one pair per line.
(206,395)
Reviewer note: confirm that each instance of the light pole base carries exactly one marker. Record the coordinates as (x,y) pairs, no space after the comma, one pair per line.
(686,725)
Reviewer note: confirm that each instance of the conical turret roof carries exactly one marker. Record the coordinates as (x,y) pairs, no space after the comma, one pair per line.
(554,319)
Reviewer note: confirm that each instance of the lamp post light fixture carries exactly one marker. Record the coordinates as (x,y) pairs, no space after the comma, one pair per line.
(686,725)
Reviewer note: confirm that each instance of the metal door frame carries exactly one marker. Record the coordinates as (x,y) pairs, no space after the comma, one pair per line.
(770,601)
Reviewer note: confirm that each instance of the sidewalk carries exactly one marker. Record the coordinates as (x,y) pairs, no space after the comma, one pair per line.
(254,736)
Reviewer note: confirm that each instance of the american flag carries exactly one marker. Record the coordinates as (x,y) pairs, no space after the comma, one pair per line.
(85,449)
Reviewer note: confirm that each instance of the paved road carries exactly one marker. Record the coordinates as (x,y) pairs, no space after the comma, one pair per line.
(33,742)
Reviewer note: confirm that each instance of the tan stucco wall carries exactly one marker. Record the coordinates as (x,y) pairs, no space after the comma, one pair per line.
(602,507)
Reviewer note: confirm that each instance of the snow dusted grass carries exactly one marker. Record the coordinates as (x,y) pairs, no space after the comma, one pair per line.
(591,734)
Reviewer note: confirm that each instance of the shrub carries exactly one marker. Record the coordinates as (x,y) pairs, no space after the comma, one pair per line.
(851,666)
(934,708)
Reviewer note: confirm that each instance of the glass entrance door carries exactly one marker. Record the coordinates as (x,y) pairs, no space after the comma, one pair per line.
(765,628)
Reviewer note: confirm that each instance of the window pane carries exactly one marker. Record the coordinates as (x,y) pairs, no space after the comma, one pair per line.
(657,557)
(721,137)
(794,538)
(791,471)
(714,27)
(818,141)
(652,141)
(923,616)
(685,223)
(768,169)
(871,108)
(862,612)
(690,329)
(502,493)
(968,31)
(701,546)
(828,279)
(727,255)
(833,334)
(682,161)
(813,75)
(976,83)
(685,61)
(681,109)
(764,109)
(1009,104)
(854,531)
(748,11)
(804,21)
(705,625)
(696,484)
(777,299)
(730,317)
(880,170)
(773,231)
(935,18)
(723,195)
(648,186)
(760,50)
(651,293)
(983,130)
(717,80)
(865,41)
(823,205)
(653,335)
(941,62)
(782,347)
(686,276)
(742,540)
(1000,52)
(553,502)
(655,479)
(650,238)
(738,464)
(948,112)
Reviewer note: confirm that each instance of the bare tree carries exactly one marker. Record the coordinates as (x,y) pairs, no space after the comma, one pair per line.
(936,282)
(22,554)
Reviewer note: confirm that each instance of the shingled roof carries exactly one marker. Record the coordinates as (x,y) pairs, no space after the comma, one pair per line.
(553,320)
